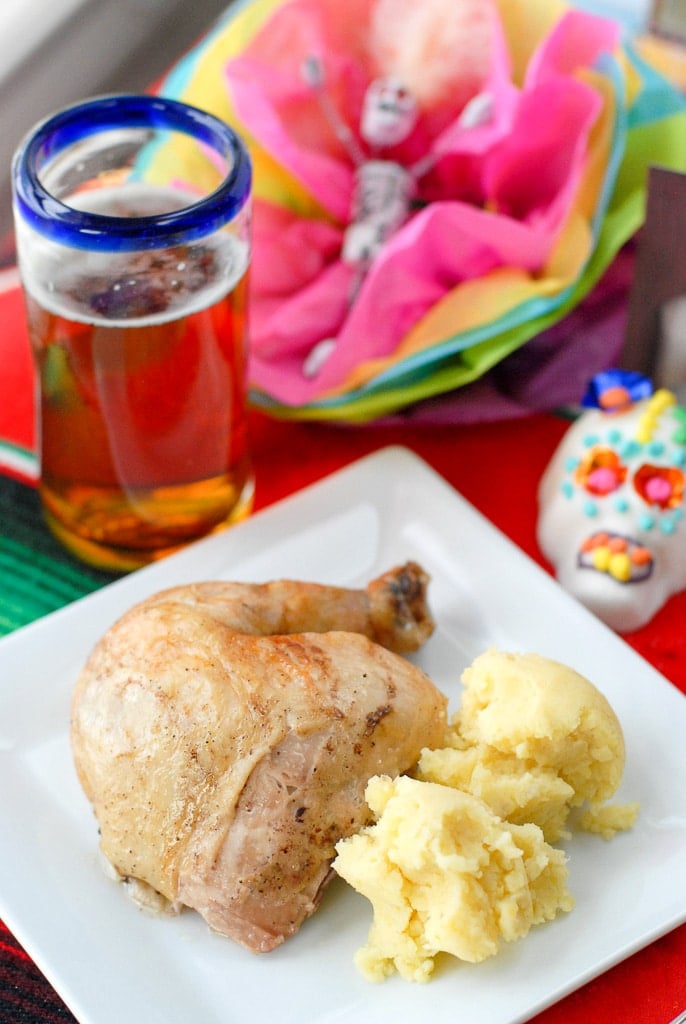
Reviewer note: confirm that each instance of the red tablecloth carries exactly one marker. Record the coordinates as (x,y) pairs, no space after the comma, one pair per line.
(496,466)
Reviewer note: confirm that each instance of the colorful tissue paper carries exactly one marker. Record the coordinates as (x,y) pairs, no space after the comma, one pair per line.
(391,265)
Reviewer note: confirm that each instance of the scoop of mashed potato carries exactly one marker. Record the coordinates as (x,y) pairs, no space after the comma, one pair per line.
(534,739)
(445,874)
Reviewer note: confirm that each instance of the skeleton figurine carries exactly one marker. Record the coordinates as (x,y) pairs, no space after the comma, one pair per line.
(384,190)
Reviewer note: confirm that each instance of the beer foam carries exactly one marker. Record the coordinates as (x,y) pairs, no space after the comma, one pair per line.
(107,288)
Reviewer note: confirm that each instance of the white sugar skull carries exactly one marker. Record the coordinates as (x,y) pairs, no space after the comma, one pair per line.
(389,113)
(611,505)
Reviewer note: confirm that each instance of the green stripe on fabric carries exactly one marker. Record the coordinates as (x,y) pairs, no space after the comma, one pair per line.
(37,575)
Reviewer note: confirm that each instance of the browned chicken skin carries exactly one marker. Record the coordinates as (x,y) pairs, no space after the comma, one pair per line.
(225,733)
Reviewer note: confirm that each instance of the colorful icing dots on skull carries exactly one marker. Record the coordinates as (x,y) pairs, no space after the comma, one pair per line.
(611,501)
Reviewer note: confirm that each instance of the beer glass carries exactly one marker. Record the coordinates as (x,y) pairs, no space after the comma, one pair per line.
(132,219)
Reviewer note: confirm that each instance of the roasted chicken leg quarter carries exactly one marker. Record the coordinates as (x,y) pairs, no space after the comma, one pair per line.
(225,734)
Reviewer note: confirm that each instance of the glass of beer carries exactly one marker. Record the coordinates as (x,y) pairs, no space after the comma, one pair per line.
(132,219)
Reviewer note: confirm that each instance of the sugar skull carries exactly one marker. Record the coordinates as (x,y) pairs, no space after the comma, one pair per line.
(611,501)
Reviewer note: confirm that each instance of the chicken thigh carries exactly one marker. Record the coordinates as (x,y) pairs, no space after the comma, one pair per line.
(225,734)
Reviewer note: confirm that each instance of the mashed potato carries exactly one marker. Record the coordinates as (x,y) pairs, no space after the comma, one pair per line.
(459,859)
(443,873)
(533,740)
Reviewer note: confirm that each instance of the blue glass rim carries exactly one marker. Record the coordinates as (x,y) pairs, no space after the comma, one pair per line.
(84,230)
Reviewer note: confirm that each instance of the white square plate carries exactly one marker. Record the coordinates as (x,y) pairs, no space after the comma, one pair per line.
(111,962)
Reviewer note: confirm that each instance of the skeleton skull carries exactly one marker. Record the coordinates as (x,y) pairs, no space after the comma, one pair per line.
(611,504)
(389,113)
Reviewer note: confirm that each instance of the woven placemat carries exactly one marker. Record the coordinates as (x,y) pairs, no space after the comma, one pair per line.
(37,575)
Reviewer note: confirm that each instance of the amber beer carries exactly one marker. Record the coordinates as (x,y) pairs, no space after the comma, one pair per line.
(143,417)
(141,358)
